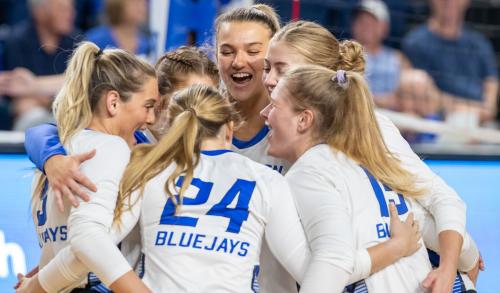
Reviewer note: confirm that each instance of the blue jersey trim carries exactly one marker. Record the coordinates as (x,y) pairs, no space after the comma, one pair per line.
(141,137)
(216,152)
(242,144)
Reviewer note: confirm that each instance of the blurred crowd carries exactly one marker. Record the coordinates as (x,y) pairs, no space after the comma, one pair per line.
(443,70)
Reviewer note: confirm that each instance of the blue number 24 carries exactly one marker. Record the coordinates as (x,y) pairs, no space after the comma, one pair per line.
(242,189)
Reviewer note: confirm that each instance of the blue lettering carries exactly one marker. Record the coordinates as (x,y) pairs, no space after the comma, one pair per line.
(243,249)
(160,238)
(213,244)
(169,242)
(45,236)
(383,230)
(64,233)
(182,238)
(223,245)
(233,245)
(197,240)
(53,233)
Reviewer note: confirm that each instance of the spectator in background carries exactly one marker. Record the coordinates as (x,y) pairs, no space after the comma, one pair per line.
(460,61)
(38,47)
(125,21)
(383,64)
(417,95)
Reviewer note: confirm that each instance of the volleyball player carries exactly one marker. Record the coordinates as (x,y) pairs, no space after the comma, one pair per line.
(106,97)
(441,211)
(204,210)
(323,123)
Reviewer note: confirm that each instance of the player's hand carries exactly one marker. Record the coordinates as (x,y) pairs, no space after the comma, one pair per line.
(66,180)
(20,277)
(440,280)
(29,285)
(405,235)
(474,273)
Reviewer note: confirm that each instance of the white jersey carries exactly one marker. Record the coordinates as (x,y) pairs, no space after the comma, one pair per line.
(334,193)
(256,149)
(273,277)
(212,242)
(55,229)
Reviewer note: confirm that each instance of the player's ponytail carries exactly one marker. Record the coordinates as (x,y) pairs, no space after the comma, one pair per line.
(90,74)
(195,113)
(345,120)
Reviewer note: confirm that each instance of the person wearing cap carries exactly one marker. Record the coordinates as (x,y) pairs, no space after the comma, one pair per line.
(383,64)
(460,60)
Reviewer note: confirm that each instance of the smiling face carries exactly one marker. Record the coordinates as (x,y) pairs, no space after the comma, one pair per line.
(241,47)
(138,112)
(280,57)
(283,121)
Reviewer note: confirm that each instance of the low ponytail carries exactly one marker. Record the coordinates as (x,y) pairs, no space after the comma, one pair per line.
(195,113)
(345,120)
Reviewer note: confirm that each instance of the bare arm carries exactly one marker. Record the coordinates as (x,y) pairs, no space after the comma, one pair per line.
(442,278)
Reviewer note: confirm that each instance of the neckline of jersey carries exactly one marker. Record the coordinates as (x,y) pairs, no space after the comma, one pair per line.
(243,144)
(215,152)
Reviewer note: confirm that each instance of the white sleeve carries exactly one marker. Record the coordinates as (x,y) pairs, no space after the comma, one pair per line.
(441,201)
(284,233)
(362,266)
(66,269)
(89,225)
(327,223)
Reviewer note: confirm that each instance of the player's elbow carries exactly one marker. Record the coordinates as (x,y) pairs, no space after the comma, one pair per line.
(333,256)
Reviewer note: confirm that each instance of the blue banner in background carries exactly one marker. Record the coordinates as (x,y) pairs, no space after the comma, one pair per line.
(477,183)
(19,250)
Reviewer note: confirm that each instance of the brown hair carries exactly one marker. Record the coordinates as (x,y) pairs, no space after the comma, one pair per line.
(195,113)
(172,70)
(345,119)
(319,46)
(173,67)
(260,13)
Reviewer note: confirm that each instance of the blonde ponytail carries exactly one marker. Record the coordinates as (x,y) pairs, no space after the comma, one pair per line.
(346,121)
(195,113)
(91,72)
(72,106)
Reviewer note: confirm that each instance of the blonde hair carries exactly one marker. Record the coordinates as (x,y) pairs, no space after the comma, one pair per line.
(195,113)
(89,75)
(319,46)
(260,13)
(345,120)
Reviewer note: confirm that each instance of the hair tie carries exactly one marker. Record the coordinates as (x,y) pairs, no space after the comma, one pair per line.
(340,78)
(99,53)
(193,111)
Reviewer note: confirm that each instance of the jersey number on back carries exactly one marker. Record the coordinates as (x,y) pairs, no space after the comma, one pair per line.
(241,189)
(41,216)
(384,210)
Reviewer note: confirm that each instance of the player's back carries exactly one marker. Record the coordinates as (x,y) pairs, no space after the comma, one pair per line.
(367,202)
(212,242)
